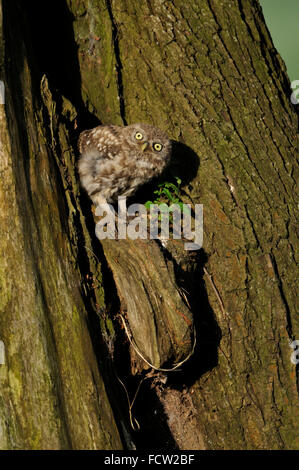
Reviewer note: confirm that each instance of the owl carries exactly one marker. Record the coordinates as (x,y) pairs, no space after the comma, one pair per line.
(116,161)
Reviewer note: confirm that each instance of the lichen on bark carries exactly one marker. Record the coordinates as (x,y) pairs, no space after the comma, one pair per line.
(208,74)
(52,395)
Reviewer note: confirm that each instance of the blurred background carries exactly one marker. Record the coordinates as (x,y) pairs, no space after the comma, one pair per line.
(282,18)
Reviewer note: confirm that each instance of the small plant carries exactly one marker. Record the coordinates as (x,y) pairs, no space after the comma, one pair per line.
(168,193)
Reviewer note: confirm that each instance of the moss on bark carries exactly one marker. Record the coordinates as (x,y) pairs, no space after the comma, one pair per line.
(52,395)
(208,74)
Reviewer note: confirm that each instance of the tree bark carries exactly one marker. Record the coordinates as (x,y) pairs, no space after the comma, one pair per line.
(206,73)
(52,392)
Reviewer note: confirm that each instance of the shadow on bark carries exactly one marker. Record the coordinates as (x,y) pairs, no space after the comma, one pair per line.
(56,54)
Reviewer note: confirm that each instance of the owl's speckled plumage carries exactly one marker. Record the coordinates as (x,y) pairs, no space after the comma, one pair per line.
(115,160)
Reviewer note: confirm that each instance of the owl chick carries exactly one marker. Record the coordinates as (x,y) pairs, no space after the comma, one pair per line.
(116,161)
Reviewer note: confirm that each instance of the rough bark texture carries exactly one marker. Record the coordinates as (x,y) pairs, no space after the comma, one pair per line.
(207,73)
(52,395)
(159,321)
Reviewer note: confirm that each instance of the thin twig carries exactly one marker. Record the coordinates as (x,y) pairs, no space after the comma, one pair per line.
(132,418)
(134,346)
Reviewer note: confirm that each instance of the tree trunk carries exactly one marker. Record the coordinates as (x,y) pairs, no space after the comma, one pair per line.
(206,73)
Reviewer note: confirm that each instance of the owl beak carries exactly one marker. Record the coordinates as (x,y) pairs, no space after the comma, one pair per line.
(144,146)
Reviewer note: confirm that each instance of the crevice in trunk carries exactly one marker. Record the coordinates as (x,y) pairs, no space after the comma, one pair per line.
(118,63)
(283,298)
(207,78)
(54,55)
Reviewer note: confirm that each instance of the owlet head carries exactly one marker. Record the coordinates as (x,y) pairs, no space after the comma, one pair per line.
(148,140)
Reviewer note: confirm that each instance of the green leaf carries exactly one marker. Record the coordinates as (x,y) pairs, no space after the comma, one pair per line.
(148,204)
(168,194)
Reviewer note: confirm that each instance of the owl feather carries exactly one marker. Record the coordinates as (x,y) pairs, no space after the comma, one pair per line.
(115,161)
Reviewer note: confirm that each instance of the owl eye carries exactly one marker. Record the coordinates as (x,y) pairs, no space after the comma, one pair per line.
(157,147)
(138,136)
